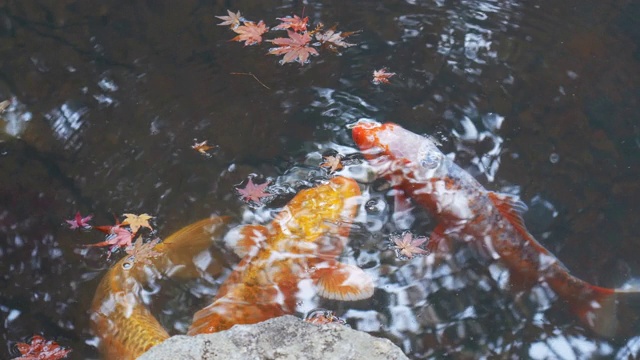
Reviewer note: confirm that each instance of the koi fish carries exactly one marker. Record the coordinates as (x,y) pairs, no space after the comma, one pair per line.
(465,211)
(125,326)
(302,242)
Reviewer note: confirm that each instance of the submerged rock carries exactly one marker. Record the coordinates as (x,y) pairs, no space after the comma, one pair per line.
(286,337)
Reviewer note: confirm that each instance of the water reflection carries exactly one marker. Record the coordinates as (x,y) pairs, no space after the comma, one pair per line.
(533,98)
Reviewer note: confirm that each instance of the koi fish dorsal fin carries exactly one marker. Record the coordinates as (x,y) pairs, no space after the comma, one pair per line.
(511,207)
(340,281)
(242,239)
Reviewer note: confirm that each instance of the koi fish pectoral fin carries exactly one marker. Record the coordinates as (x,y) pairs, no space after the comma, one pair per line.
(340,281)
(244,238)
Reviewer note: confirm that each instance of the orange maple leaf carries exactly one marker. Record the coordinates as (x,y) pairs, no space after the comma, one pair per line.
(295,48)
(250,32)
(381,76)
(294,23)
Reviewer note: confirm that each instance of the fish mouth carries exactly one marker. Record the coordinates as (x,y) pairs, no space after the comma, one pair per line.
(363,133)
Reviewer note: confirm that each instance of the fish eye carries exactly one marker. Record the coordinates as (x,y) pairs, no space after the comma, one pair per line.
(431,160)
(128,264)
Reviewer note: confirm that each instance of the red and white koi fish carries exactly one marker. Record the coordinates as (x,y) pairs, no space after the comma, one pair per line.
(302,242)
(465,211)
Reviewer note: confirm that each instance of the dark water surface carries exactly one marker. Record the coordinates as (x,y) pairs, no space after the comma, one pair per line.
(538,98)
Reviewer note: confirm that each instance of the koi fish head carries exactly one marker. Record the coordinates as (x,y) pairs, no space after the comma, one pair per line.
(392,148)
(415,164)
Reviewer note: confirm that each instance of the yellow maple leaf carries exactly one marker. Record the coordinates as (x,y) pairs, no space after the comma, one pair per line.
(135,222)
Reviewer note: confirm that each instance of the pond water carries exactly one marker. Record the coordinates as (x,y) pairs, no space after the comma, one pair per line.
(535,98)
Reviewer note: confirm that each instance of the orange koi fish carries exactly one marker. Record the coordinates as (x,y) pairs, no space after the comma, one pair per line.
(465,211)
(302,242)
(125,326)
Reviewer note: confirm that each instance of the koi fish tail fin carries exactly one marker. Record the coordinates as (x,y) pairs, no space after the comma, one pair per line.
(598,310)
(614,314)
(181,249)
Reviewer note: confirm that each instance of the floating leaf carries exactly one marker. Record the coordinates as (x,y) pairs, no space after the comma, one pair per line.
(294,48)
(202,147)
(118,237)
(408,246)
(135,222)
(381,76)
(294,23)
(333,40)
(79,221)
(233,20)
(253,192)
(250,32)
(333,163)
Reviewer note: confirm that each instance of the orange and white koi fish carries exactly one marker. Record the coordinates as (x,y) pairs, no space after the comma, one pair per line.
(119,317)
(465,211)
(302,242)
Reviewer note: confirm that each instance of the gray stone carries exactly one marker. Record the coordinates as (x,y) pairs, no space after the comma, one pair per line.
(286,337)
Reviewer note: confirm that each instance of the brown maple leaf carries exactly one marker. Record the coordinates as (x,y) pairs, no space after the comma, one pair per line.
(294,23)
(250,32)
(41,349)
(141,252)
(333,40)
(408,246)
(332,163)
(202,147)
(253,192)
(295,48)
(233,20)
(135,222)
(381,76)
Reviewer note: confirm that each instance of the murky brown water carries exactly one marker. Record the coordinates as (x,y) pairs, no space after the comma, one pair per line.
(535,97)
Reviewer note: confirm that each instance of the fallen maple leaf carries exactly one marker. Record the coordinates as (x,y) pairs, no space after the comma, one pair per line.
(381,76)
(250,32)
(79,221)
(141,252)
(135,222)
(202,147)
(233,19)
(407,246)
(333,163)
(333,40)
(118,237)
(253,192)
(294,23)
(295,48)
(41,349)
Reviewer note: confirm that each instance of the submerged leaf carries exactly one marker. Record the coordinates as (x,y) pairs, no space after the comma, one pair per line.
(40,348)
(333,163)
(141,253)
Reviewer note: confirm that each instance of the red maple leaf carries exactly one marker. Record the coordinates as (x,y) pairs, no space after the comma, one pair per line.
(295,48)
(41,349)
(117,237)
(79,221)
(294,23)
(253,192)
(250,32)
